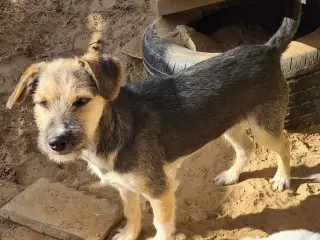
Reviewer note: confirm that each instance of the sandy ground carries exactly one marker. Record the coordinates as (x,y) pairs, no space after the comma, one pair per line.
(37,30)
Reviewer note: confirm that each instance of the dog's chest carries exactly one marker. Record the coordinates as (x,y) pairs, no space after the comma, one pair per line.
(98,165)
(103,168)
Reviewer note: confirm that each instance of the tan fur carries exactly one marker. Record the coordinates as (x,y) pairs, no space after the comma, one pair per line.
(132,185)
(164,213)
(95,162)
(243,146)
(98,78)
(132,212)
(91,62)
(237,136)
(60,91)
(132,181)
(59,87)
(21,91)
(281,146)
(90,116)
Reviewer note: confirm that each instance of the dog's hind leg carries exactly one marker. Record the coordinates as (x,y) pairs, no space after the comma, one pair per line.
(278,143)
(267,123)
(243,146)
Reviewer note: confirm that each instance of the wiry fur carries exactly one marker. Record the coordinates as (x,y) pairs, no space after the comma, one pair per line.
(129,135)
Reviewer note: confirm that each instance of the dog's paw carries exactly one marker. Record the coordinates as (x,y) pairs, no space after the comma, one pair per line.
(279,184)
(226,178)
(125,234)
(103,182)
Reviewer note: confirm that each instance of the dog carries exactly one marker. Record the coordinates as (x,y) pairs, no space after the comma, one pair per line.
(289,235)
(131,134)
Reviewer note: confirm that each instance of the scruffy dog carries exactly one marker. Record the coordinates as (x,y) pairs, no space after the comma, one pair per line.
(289,235)
(130,134)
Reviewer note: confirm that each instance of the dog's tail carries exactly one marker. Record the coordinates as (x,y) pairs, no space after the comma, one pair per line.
(281,39)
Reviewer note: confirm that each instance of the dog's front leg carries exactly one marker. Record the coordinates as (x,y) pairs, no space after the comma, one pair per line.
(164,214)
(132,212)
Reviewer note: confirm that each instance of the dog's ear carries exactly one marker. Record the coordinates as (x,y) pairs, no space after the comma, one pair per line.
(106,71)
(26,85)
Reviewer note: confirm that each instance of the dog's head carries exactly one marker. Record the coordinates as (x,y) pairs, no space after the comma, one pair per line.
(69,98)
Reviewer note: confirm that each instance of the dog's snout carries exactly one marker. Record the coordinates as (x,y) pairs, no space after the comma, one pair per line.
(62,137)
(59,143)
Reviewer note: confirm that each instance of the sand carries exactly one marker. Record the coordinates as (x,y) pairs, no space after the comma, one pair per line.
(37,30)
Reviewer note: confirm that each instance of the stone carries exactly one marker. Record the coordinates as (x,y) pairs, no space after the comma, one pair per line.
(133,48)
(164,7)
(61,212)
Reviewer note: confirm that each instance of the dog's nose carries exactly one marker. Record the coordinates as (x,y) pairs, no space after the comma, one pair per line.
(58,144)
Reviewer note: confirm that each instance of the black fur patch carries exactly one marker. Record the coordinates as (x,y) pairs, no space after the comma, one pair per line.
(158,120)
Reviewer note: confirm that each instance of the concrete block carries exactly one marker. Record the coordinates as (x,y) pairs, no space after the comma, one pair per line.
(164,7)
(133,48)
(61,212)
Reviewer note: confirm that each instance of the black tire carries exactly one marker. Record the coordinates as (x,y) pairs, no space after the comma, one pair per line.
(163,57)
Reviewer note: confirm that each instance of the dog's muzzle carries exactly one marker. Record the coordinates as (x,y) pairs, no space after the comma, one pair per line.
(59,143)
(64,142)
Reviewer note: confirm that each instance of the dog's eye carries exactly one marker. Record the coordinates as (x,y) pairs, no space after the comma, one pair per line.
(81,102)
(43,104)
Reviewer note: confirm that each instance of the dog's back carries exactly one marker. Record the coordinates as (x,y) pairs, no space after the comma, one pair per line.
(203,101)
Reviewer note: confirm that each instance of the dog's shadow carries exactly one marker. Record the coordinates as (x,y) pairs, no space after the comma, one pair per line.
(306,215)
(299,174)
(303,216)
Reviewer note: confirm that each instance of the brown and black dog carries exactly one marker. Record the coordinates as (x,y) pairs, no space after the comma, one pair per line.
(131,134)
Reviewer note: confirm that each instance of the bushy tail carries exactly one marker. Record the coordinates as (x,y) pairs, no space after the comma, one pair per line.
(289,26)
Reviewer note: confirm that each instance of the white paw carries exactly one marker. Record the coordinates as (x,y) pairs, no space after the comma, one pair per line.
(103,182)
(227,177)
(280,183)
(125,234)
